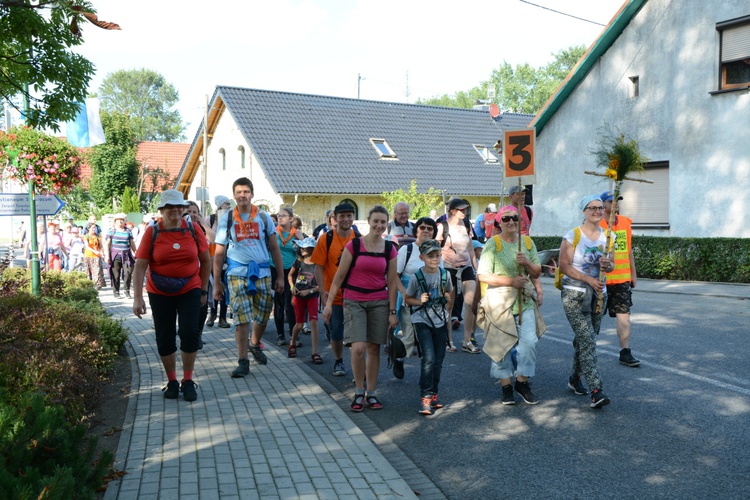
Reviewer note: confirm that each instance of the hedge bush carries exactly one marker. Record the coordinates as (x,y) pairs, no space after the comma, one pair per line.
(724,260)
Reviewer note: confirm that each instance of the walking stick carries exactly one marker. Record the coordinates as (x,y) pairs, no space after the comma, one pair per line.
(520,267)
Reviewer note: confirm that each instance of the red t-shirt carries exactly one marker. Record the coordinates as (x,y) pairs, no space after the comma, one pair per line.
(175,255)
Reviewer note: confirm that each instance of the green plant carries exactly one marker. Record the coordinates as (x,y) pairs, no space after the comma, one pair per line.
(420,203)
(43,456)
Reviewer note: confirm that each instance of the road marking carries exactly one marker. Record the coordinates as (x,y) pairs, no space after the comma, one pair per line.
(674,371)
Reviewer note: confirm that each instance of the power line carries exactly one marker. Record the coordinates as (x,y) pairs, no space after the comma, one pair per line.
(562,13)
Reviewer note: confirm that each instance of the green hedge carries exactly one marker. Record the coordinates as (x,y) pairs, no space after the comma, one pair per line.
(724,260)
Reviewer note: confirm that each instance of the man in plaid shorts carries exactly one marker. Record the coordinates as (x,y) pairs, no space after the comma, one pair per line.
(246,237)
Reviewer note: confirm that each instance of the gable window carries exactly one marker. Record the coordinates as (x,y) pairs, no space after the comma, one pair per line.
(634,86)
(351,202)
(648,204)
(223,159)
(383,149)
(241,149)
(735,53)
(485,153)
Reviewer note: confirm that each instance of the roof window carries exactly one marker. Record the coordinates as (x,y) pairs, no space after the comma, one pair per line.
(383,149)
(485,153)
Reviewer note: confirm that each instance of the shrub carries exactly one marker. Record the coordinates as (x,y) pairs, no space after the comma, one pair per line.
(43,456)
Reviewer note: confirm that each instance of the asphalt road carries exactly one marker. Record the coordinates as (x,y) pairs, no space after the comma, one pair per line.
(676,428)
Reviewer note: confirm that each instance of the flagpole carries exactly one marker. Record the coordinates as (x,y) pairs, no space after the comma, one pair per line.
(204,174)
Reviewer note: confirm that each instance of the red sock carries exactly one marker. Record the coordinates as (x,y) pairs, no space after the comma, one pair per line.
(188,375)
(171,376)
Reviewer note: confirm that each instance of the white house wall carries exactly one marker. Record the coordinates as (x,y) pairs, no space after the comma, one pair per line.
(226,135)
(673,47)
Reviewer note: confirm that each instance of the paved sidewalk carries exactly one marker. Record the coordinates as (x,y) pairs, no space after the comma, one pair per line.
(272,434)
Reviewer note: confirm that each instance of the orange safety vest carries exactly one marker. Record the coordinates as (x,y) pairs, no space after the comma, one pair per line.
(622,228)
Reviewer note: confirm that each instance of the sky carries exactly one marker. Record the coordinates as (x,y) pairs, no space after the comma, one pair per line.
(403,49)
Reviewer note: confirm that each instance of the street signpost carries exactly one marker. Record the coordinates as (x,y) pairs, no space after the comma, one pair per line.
(19,204)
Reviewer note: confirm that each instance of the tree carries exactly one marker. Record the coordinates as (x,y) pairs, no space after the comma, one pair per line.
(420,203)
(78,202)
(130,201)
(148,99)
(523,89)
(36,61)
(114,164)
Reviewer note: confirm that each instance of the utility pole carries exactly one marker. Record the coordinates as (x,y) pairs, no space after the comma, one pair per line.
(204,174)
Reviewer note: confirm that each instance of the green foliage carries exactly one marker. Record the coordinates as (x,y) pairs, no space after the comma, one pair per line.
(420,203)
(130,202)
(51,163)
(35,49)
(523,89)
(618,156)
(719,260)
(147,98)
(114,163)
(44,456)
(79,203)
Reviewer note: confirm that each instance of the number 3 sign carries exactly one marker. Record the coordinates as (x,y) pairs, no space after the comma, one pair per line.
(519,154)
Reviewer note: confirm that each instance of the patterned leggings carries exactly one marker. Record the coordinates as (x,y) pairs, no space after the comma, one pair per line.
(585,329)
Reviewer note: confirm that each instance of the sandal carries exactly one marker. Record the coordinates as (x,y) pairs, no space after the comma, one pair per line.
(451,347)
(470,348)
(373,403)
(292,351)
(358,403)
(316,359)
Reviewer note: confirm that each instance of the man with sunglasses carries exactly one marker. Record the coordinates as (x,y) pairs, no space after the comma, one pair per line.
(622,279)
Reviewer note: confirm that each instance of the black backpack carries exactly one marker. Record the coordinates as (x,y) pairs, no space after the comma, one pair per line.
(356,246)
(155,232)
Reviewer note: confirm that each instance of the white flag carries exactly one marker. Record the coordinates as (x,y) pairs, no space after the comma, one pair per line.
(86,130)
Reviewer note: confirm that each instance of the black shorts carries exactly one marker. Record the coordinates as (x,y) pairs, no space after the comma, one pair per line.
(619,299)
(467,274)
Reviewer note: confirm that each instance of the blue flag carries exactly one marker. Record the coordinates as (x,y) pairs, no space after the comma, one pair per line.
(86,130)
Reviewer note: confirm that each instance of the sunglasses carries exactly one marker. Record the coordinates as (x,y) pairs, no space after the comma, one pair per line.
(425,228)
(508,218)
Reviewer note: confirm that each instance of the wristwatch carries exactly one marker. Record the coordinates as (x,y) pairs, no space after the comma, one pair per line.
(204,292)
(393,311)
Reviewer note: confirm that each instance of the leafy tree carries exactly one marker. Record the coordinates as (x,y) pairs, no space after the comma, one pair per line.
(36,60)
(79,203)
(114,164)
(420,203)
(523,89)
(147,98)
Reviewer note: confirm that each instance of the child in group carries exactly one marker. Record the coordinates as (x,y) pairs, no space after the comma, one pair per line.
(305,293)
(428,292)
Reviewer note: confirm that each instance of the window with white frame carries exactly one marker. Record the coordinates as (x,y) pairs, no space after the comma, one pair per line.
(485,153)
(735,53)
(647,204)
(384,150)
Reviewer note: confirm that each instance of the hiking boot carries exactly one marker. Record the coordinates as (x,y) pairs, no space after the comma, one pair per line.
(338,368)
(425,407)
(117,295)
(172,390)
(188,390)
(258,354)
(576,385)
(211,320)
(398,368)
(508,398)
(598,399)
(524,389)
(435,404)
(243,368)
(280,341)
(223,323)
(627,359)
(127,294)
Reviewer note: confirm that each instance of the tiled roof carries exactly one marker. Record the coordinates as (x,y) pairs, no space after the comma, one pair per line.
(320,144)
(168,156)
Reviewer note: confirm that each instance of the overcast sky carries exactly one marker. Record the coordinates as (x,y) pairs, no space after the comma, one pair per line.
(320,46)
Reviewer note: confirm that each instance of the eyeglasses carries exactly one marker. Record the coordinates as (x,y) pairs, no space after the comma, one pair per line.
(595,209)
(508,218)
(461,209)
(401,213)
(280,216)
(172,207)
(425,228)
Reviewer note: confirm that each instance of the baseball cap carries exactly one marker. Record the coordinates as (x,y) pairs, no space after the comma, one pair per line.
(608,196)
(492,208)
(220,200)
(457,203)
(429,246)
(514,189)
(477,244)
(342,208)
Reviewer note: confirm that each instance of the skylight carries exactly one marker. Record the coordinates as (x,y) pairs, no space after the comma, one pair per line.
(485,153)
(383,149)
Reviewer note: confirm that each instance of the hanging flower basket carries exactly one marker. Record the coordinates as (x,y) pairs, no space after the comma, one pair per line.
(50,163)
